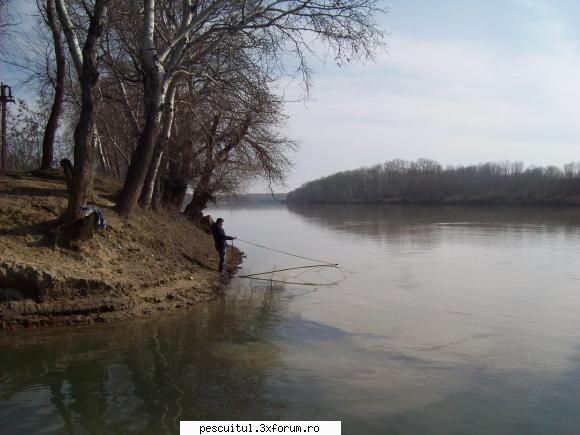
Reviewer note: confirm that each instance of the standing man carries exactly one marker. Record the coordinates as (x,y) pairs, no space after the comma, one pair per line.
(219,237)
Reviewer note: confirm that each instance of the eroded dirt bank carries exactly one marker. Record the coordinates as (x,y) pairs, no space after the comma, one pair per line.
(155,261)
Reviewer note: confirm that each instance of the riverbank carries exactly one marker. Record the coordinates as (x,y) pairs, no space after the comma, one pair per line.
(155,261)
(426,182)
(573,201)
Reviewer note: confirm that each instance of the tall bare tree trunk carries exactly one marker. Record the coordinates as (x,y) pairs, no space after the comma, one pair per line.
(160,147)
(152,175)
(84,153)
(55,111)
(202,192)
(154,94)
(86,64)
(142,156)
(156,198)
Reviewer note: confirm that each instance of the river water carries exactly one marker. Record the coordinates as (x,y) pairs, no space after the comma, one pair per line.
(440,320)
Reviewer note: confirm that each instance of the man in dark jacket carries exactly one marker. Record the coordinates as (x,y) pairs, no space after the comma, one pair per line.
(219,237)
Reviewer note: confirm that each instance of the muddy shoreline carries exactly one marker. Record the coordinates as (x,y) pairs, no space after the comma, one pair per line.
(98,302)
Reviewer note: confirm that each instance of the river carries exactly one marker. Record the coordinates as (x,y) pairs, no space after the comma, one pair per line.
(439,320)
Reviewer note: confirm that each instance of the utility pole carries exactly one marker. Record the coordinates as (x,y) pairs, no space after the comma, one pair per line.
(5,98)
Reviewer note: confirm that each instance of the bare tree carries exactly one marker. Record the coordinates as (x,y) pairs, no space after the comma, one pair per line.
(86,65)
(194,30)
(166,125)
(59,85)
(241,141)
(24,135)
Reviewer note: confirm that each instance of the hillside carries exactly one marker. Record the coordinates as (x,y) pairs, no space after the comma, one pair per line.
(155,261)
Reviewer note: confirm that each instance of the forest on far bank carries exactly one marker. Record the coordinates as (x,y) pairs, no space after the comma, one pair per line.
(426,181)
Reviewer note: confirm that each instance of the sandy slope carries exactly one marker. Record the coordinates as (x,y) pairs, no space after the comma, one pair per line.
(153,261)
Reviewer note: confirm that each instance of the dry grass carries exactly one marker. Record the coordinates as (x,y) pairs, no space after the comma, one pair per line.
(152,261)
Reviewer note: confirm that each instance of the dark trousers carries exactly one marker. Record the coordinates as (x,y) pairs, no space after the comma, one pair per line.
(222,254)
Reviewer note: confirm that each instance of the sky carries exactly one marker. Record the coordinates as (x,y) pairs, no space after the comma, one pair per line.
(461,82)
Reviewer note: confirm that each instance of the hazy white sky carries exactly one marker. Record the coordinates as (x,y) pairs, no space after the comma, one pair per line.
(463,81)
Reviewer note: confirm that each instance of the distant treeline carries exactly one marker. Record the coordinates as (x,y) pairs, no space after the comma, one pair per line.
(427,182)
(252,199)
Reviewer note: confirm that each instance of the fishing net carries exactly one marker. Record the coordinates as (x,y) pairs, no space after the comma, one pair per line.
(323,273)
(311,275)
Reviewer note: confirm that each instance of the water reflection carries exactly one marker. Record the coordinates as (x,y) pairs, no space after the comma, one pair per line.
(508,402)
(452,321)
(396,221)
(146,376)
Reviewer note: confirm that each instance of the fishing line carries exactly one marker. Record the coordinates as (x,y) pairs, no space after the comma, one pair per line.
(325,264)
(288,253)
(297,280)
(289,268)
(302,273)
(316,284)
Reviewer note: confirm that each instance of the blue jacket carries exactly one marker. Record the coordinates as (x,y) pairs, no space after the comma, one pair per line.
(219,236)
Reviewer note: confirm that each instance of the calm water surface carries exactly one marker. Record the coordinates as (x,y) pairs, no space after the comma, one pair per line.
(443,320)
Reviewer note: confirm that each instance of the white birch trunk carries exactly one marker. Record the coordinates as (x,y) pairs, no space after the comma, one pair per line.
(167,123)
(71,36)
